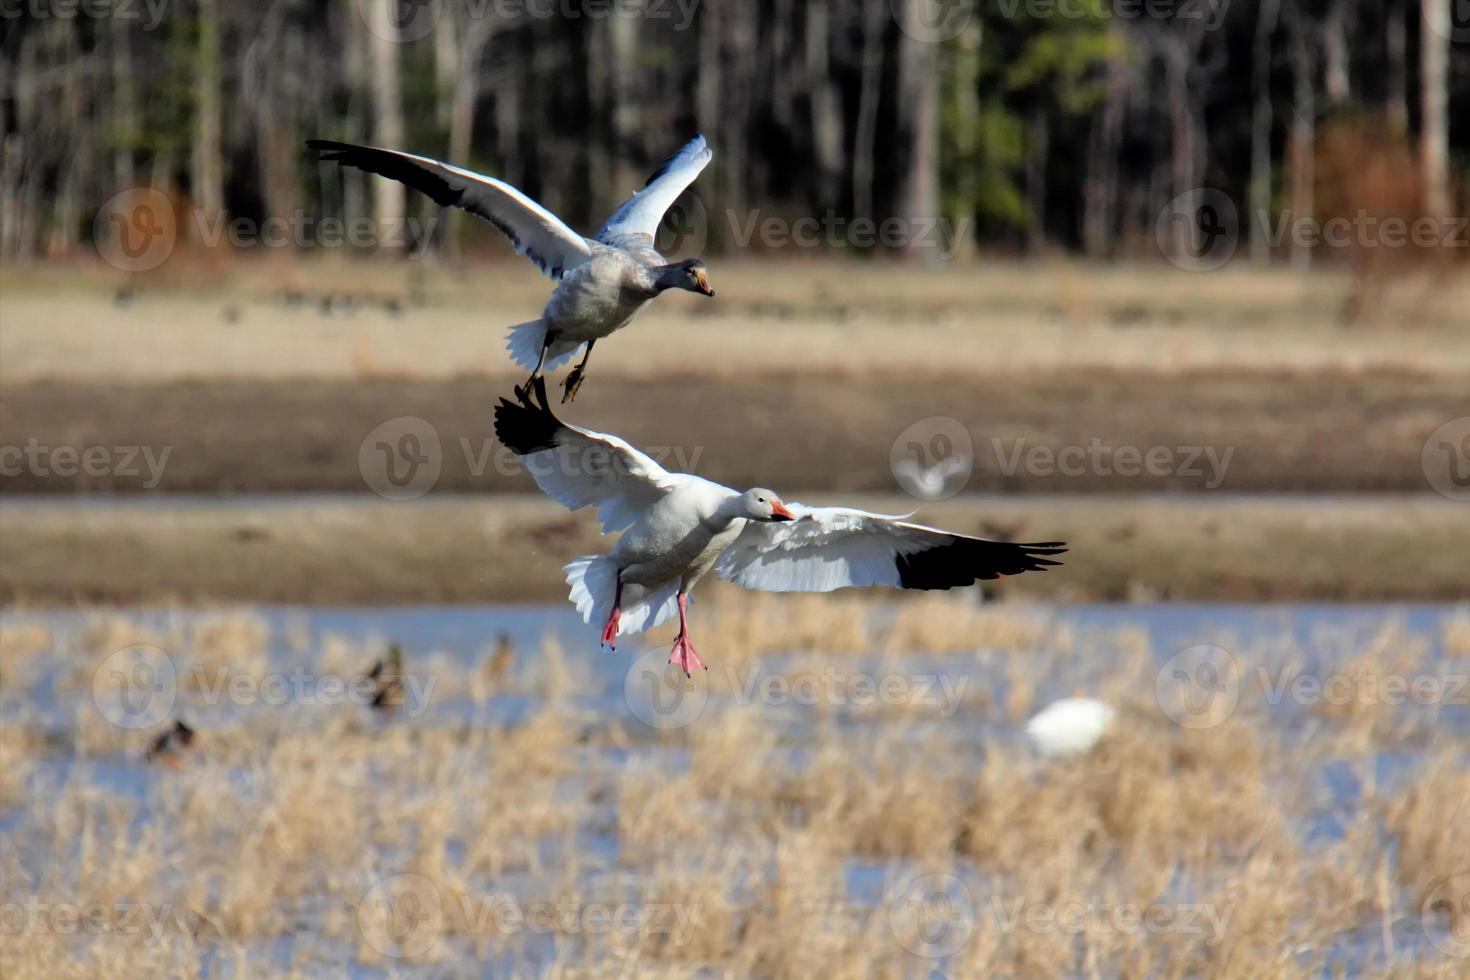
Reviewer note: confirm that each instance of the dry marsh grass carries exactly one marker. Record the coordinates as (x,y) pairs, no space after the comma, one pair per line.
(828,839)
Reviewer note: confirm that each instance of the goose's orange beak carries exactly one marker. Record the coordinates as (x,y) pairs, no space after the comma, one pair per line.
(780,513)
(702,280)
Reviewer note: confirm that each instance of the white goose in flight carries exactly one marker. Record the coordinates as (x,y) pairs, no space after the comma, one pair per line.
(604,281)
(677,526)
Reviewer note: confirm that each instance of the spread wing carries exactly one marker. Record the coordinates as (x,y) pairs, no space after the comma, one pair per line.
(536,233)
(581,468)
(828,548)
(635,223)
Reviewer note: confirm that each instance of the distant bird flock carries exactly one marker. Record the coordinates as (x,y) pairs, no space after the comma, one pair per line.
(676,527)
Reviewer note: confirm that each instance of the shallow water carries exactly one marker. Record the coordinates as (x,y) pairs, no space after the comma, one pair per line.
(952,699)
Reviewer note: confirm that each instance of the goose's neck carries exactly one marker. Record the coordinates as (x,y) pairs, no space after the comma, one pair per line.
(667,276)
(730,509)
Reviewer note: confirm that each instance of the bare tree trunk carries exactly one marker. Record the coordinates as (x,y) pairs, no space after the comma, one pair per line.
(1099,222)
(826,106)
(1038,146)
(1182,154)
(389,205)
(208,172)
(1396,39)
(124,102)
(874,14)
(1303,135)
(1261,117)
(919,90)
(1336,81)
(1434,49)
(473,36)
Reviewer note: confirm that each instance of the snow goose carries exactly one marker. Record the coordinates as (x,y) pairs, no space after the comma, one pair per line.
(604,282)
(677,527)
(1070,727)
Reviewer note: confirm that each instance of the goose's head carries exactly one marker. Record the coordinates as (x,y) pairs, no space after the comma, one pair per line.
(763,505)
(690,274)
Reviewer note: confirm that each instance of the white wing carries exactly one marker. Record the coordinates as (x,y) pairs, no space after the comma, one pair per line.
(535,231)
(828,548)
(581,468)
(635,223)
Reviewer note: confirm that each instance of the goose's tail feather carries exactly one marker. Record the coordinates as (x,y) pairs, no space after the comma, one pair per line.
(593,580)
(525,341)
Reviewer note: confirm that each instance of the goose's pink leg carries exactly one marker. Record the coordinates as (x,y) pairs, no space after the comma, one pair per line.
(684,653)
(610,631)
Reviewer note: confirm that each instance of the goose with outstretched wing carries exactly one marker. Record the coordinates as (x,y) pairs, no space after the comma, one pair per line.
(603,282)
(676,527)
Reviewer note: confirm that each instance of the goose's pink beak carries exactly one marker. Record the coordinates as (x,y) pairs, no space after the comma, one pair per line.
(780,513)
(702,281)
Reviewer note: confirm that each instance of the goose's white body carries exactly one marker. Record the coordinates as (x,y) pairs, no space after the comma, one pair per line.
(1069,727)
(677,527)
(603,282)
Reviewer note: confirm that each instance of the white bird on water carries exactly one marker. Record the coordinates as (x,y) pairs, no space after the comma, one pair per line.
(677,527)
(604,281)
(1070,727)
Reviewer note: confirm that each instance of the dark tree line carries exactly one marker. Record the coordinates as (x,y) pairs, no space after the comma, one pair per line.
(1037,123)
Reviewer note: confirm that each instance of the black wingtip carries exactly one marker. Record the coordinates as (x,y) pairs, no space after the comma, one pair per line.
(965,561)
(529,426)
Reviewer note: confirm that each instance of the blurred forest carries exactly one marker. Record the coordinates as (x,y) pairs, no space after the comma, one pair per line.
(1042,124)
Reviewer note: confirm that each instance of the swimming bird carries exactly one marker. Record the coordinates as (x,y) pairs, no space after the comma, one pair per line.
(603,282)
(677,527)
(387,675)
(1070,727)
(169,746)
